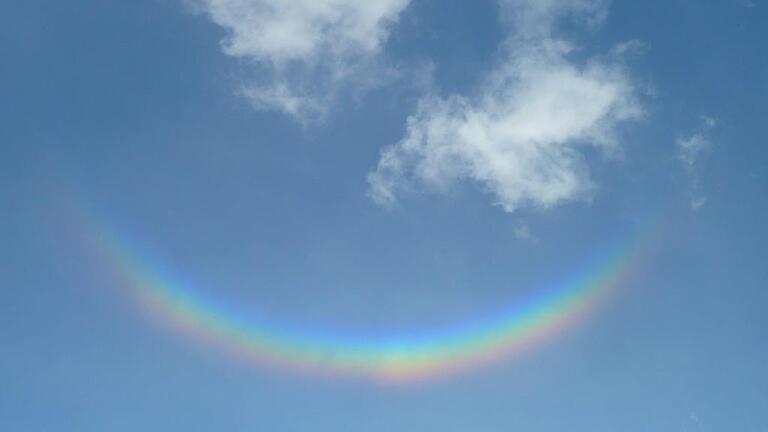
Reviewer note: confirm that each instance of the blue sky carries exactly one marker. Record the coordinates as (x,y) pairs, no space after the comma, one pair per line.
(379,167)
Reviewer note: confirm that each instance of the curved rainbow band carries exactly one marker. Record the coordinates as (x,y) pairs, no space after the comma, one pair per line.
(398,358)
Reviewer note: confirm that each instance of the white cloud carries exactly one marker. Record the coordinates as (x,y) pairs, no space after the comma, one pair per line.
(538,17)
(304,50)
(690,150)
(521,134)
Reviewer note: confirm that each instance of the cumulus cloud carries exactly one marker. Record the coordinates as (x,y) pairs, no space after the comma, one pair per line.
(520,136)
(690,150)
(304,50)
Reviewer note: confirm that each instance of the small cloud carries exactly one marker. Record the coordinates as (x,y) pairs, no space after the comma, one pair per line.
(693,424)
(749,4)
(690,151)
(709,122)
(523,232)
(691,148)
(633,46)
(698,201)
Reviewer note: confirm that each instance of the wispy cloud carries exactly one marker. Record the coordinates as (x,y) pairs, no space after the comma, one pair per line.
(303,51)
(519,136)
(690,149)
(523,232)
(749,4)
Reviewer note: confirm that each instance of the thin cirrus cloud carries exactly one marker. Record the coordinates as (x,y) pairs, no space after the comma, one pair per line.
(690,150)
(520,135)
(303,51)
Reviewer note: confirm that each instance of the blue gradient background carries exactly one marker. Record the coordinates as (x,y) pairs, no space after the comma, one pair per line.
(126,109)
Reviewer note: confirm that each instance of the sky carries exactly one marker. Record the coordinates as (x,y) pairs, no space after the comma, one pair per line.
(390,215)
